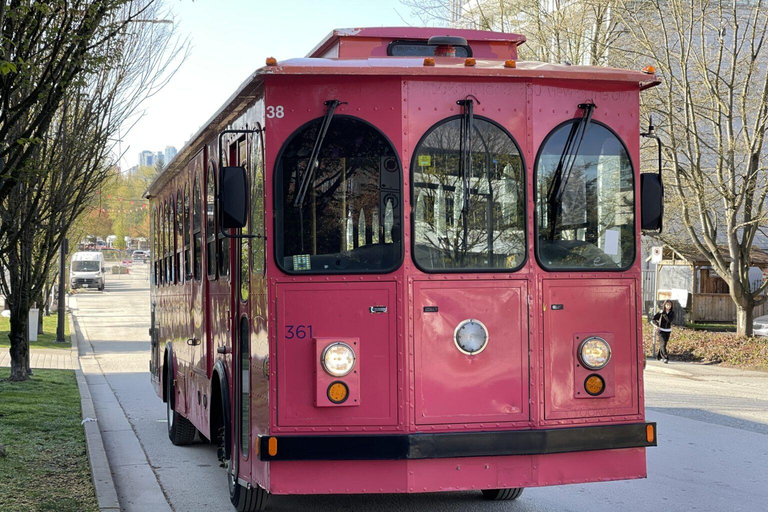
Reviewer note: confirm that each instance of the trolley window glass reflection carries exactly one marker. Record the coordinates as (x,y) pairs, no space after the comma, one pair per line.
(476,222)
(585,210)
(347,220)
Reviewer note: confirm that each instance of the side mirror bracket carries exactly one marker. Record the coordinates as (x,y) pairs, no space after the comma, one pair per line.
(652,190)
(232,196)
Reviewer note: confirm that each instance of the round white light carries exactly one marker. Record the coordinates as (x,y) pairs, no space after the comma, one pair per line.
(338,359)
(594,353)
(471,337)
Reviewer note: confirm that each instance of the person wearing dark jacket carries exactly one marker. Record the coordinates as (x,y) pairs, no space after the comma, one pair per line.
(663,322)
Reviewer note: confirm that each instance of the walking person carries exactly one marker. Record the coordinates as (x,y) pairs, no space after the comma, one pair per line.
(663,322)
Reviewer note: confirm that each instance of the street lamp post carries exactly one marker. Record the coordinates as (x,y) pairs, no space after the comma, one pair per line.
(63,250)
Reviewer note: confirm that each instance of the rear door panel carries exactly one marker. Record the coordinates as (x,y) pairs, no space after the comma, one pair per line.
(455,388)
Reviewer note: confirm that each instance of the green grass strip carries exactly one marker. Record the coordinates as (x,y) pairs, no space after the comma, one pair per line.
(45,340)
(45,467)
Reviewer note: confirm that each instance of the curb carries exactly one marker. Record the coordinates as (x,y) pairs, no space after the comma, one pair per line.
(101,474)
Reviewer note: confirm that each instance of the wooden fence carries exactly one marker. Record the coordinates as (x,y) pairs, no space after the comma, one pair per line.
(717,307)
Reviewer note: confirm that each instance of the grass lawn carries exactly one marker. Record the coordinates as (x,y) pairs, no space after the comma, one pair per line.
(45,340)
(45,467)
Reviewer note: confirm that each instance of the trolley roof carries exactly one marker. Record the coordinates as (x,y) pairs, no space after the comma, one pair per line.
(393,66)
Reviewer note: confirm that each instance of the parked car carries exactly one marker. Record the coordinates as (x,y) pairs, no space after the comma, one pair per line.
(760,326)
(140,256)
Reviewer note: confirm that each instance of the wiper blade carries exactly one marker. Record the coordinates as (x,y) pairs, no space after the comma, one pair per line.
(565,166)
(309,172)
(465,161)
(465,169)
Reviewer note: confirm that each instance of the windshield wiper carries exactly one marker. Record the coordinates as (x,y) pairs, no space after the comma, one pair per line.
(309,172)
(565,166)
(465,160)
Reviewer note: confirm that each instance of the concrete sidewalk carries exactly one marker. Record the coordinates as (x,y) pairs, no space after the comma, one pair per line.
(135,480)
(45,358)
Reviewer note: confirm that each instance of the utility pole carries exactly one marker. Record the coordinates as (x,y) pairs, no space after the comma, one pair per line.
(63,250)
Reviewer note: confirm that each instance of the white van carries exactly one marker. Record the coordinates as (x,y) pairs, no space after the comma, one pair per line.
(86,270)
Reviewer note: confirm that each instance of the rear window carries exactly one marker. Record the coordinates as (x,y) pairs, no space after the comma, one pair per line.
(421,49)
(348,220)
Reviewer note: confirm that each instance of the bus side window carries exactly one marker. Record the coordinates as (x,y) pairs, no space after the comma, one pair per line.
(153,237)
(210,224)
(257,205)
(169,277)
(164,247)
(243,252)
(186,227)
(179,235)
(222,242)
(197,227)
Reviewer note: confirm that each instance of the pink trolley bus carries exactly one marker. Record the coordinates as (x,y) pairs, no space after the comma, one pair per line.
(408,263)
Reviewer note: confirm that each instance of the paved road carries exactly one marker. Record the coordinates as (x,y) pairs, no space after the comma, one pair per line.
(713,423)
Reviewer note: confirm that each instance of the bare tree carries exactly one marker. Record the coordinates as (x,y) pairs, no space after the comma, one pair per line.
(45,48)
(713,59)
(579,32)
(73,157)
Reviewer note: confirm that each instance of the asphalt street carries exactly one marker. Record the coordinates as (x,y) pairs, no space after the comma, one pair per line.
(712,453)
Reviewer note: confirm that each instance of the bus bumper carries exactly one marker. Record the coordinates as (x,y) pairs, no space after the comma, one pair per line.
(429,462)
(456,444)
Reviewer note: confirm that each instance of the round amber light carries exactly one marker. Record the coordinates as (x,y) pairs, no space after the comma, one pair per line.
(594,385)
(338,392)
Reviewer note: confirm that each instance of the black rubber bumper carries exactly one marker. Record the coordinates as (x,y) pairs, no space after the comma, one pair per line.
(456,444)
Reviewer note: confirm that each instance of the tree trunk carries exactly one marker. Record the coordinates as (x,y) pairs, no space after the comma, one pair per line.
(19,344)
(744,318)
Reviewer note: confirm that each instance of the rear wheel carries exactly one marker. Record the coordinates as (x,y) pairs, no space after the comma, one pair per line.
(502,494)
(181,431)
(244,499)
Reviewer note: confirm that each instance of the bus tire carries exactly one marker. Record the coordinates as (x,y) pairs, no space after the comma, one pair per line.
(181,431)
(502,494)
(248,500)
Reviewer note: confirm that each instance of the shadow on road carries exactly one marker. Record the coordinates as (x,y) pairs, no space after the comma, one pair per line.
(714,418)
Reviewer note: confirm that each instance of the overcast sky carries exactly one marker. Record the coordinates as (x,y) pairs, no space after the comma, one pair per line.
(231,39)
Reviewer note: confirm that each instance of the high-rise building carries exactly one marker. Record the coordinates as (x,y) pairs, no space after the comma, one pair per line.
(146,158)
(170,152)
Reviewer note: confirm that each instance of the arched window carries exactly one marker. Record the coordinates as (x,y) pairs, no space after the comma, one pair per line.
(210,223)
(186,228)
(357,169)
(585,207)
(153,228)
(163,242)
(197,229)
(179,235)
(169,231)
(471,221)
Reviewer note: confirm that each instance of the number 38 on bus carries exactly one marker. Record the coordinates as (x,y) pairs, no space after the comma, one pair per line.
(408,263)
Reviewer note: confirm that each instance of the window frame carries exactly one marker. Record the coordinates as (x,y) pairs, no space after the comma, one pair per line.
(169,234)
(211,256)
(197,231)
(186,240)
(179,237)
(278,205)
(523,187)
(256,160)
(421,42)
(535,177)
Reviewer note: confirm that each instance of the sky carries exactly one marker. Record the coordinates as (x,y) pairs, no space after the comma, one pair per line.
(229,40)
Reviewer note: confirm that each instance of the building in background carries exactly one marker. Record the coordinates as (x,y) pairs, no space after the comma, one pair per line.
(146,158)
(170,152)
